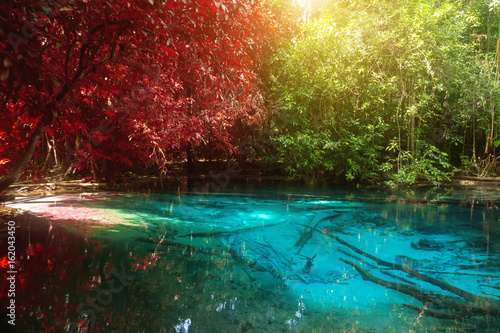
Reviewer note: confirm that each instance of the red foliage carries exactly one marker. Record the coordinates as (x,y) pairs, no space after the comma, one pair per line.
(41,271)
(128,83)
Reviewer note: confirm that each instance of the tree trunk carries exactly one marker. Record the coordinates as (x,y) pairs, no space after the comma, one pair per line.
(190,159)
(25,158)
(48,115)
(46,163)
(412,137)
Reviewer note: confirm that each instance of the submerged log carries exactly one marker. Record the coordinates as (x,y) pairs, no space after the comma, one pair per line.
(179,246)
(479,305)
(490,286)
(394,276)
(307,233)
(415,273)
(482,265)
(225,233)
(401,287)
(462,308)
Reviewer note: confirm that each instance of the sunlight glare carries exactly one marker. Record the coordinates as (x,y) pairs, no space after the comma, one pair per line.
(305,6)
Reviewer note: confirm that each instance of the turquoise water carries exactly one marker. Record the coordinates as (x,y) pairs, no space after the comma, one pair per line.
(260,260)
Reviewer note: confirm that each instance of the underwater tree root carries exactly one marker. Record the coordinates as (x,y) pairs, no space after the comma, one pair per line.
(466,305)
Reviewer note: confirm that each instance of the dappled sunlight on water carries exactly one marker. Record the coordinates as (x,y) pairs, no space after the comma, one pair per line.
(261,261)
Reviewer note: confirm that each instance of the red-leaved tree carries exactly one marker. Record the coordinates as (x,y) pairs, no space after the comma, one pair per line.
(111,85)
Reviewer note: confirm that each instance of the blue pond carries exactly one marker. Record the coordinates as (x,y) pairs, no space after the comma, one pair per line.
(261,260)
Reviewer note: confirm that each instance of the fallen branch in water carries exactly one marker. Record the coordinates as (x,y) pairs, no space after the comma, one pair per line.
(490,286)
(441,284)
(383,271)
(474,304)
(435,300)
(306,235)
(171,246)
(482,265)
(276,251)
(401,287)
(226,233)
(394,276)
(460,273)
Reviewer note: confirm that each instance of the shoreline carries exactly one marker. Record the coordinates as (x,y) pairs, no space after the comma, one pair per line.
(481,189)
(52,187)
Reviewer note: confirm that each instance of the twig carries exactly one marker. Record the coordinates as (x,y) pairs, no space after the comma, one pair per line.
(276,251)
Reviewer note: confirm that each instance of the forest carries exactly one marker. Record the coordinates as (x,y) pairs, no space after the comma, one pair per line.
(352,91)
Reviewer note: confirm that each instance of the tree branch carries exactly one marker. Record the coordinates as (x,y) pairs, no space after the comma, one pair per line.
(474,303)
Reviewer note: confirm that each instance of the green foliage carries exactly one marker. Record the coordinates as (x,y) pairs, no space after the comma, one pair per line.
(431,165)
(373,90)
(360,155)
(302,154)
(468,165)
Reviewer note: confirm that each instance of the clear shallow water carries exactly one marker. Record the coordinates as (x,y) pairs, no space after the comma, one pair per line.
(256,261)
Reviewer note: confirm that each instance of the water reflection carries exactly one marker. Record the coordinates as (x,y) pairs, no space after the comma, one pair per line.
(265,261)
